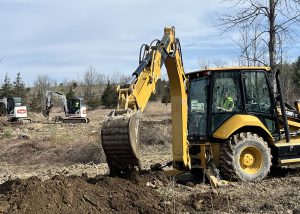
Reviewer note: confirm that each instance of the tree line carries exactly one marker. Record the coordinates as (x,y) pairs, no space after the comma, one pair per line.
(98,89)
(95,88)
(13,89)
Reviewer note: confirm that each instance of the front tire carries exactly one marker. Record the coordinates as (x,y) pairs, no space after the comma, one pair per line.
(245,156)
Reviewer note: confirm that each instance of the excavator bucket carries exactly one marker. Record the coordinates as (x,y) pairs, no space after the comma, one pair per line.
(119,135)
(46,112)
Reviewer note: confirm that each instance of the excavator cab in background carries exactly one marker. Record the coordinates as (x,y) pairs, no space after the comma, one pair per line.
(15,109)
(74,109)
(226,122)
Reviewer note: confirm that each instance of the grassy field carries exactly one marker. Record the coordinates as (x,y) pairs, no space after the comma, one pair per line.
(44,149)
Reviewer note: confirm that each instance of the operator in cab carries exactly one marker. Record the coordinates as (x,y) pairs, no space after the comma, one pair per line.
(227,103)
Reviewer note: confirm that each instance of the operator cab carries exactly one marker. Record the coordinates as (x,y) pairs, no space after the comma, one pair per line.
(215,95)
(13,102)
(74,105)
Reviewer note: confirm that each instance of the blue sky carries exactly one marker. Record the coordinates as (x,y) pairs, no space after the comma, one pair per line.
(62,38)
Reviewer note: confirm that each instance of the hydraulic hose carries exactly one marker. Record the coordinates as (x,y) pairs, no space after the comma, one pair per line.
(145,57)
(144,47)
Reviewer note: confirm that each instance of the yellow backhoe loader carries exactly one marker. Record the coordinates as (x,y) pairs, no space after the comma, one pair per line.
(226,122)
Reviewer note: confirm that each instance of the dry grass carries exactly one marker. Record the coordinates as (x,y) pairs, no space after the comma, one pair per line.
(157,109)
(53,145)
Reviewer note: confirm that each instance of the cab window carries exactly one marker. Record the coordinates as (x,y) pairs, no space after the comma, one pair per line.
(197,107)
(226,97)
(257,94)
(226,92)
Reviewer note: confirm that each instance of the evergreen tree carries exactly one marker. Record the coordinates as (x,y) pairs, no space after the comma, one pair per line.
(71,93)
(153,97)
(296,66)
(74,84)
(6,89)
(109,97)
(167,96)
(19,87)
(35,102)
(95,101)
(159,90)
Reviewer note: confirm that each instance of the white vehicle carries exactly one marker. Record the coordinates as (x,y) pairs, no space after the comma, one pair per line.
(75,109)
(15,110)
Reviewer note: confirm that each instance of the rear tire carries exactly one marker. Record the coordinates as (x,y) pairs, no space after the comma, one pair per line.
(245,156)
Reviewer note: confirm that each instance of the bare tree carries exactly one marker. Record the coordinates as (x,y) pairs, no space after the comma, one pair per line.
(274,18)
(89,81)
(253,52)
(205,63)
(101,79)
(123,78)
(118,78)
(288,82)
(41,85)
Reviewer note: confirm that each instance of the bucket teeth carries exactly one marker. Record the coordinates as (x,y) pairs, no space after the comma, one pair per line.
(119,136)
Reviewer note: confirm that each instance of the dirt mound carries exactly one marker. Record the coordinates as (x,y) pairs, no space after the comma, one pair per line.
(147,193)
(101,194)
(34,151)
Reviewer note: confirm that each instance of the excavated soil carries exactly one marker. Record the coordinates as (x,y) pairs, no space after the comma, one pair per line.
(59,168)
(74,194)
(148,193)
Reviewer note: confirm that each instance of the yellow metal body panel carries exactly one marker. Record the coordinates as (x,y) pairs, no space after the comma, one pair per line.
(239,68)
(267,69)
(236,122)
(294,124)
(287,162)
(297,106)
(295,141)
(179,109)
(146,83)
(211,149)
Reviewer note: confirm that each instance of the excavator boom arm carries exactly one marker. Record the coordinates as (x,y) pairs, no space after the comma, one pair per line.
(49,104)
(119,133)
(137,92)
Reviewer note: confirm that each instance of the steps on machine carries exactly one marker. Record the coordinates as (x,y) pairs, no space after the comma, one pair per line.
(288,153)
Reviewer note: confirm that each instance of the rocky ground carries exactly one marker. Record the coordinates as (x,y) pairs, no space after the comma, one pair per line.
(60,168)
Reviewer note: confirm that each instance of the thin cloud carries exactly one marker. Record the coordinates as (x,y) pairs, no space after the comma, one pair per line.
(62,38)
